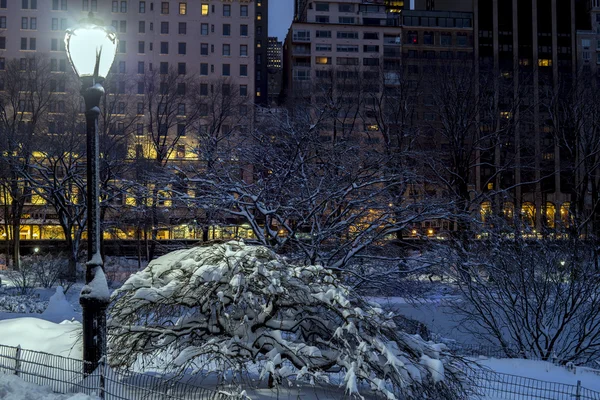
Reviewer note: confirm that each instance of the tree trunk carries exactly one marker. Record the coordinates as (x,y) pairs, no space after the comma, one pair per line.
(16,242)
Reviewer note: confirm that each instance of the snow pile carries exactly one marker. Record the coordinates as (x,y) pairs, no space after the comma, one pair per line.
(14,388)
(59,309)
(39,335)
(227,306)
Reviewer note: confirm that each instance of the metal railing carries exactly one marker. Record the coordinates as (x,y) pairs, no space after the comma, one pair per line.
(65,375)
(489,384)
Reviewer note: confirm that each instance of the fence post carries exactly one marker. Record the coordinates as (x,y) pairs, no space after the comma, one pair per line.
(18,361)
(102,388)
(578,392)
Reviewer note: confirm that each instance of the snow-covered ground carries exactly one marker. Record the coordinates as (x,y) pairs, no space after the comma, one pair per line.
(543,371)
(46,333)
(14,388)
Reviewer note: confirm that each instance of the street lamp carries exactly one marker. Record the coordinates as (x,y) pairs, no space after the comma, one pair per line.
(91,49)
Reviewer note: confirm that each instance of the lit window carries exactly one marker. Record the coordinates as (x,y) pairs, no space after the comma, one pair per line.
(505,114)
(323,60)
(258,16)
(544,62)
(204,9)
(182,8)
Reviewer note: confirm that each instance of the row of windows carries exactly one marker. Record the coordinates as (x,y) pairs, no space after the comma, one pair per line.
(324,19)
(60,65)
(180,129)
(121,7)
(182,48)
(182,8)
(182,70)
(445,38)
(323,6)
(347,48)
(347,61)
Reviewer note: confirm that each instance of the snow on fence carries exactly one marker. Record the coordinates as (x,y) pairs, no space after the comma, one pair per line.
(65,375)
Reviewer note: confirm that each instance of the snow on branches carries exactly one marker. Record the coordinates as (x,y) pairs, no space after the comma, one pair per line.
(226,307)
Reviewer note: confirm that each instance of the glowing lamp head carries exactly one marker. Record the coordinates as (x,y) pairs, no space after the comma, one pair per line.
(91,48)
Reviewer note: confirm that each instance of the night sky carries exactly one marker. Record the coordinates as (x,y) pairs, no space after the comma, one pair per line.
(280,17)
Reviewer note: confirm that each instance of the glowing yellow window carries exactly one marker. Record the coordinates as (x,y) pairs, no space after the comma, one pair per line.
(204,9)
(372,128)
(485,210)
(490,186)
(323,60)
(505,114)
(258,16)
(182,8)
(544,62)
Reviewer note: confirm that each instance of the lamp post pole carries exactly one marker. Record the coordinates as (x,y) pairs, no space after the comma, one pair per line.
(91,49)
(93,307)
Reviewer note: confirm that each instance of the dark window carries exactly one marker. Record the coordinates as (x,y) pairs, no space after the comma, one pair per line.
(164,7)
(182,48)
(142,27)
(140,67)
(164,47)
(203,49)
(226,70)
(243,30)
(141,47)
(164,67)
(203,69)
(243,70)
(182,28)
(226,29)
(181,69)
(164,27)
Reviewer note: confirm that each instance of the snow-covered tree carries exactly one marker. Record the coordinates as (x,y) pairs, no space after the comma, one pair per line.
(533,298)
(222,308)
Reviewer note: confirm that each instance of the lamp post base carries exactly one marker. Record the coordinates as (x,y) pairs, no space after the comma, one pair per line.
(94,332)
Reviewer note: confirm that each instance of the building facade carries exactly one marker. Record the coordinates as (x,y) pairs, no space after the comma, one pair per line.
(213,45)
(522,55)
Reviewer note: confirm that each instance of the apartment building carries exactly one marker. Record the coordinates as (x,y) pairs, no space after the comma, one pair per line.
(261,34)
(530,47)
(214,41)
(274,69)
(522,54)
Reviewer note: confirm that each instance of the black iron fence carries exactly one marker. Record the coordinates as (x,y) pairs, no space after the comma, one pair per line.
(492,385)
(65,375)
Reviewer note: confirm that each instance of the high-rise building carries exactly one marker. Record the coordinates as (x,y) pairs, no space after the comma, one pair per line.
(217,42)
(211,39)
(261,35)
(274,53)
(274,68)
(523,54)
(529,48)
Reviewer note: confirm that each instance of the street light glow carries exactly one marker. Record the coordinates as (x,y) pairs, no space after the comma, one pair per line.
(90,47)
